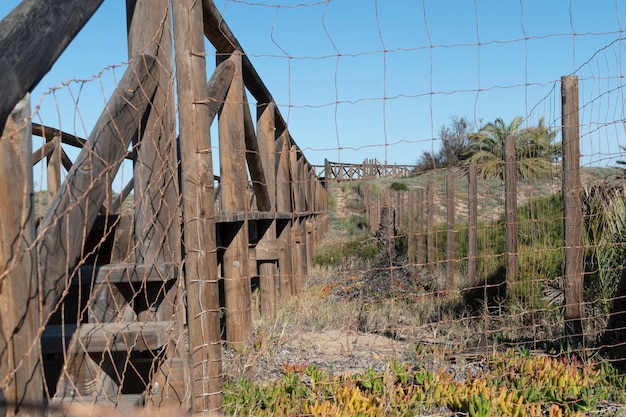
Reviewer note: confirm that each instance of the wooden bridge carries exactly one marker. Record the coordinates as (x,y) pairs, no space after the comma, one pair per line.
(370,168)
(102,304)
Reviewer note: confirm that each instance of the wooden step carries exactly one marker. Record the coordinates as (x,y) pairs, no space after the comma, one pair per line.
(126,273)
(93,406)
(122,337)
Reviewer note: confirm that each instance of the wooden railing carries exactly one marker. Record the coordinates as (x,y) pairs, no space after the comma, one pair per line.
(369,168)
(114,283)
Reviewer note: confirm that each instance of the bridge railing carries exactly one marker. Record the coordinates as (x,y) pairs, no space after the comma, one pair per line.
(368,169)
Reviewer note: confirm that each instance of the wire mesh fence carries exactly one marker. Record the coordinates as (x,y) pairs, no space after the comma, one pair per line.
(166,243)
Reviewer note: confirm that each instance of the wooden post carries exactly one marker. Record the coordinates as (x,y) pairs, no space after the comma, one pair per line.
(572,212)
(411,227)
(430,226)
(32,37)
(510,208)
(298,260)
(19,307)
(283,207)
(155,171)
(54,167)
(198,104)
(421,213)
(472,244)
(268,268)
(234,183)
(450,244)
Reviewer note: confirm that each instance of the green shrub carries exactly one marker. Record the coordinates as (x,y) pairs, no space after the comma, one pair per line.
(398,186)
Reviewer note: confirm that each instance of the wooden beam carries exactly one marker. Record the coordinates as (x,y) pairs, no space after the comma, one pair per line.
(32,37)
(234,185)
(217,88)
(50,133)
(84,191)
(54,167)
(268,247)
(198,103)
(573,271)
(19,309)
(157,226)
(220,35)
(253,158)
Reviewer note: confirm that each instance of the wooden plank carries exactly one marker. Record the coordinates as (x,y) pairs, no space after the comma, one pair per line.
(573,270)
(122,337)
(89,405)
(168,386)
(203,362)
(83,193)
(128,273)
(268,249)
(234,183)
(32,37)
(19,310)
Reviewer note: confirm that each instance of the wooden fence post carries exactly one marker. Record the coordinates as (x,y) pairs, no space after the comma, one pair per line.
(155,172)
(421,213)
(285,225)
(198,196)
(19,305)
(572,212)
(268,268)
(472,244)
(430,233)
(510,208)
(411,227)
(234,183)
(450,244)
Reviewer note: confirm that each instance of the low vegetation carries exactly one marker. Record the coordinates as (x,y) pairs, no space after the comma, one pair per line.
(475,351)
(506,383)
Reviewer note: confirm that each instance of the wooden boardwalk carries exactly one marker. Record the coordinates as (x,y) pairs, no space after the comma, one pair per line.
(131,307)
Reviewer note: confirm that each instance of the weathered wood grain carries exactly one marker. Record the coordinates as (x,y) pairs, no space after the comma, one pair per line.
(198,103)
(19,309)
(573,268)
(73,210)
(32,37)
(268,247)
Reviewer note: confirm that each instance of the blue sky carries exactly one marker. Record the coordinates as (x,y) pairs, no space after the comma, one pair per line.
(363,79)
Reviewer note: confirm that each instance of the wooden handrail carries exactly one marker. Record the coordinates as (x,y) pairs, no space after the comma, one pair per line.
(32,37)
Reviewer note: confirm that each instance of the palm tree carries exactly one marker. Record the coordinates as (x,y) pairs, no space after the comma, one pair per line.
(534,148)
